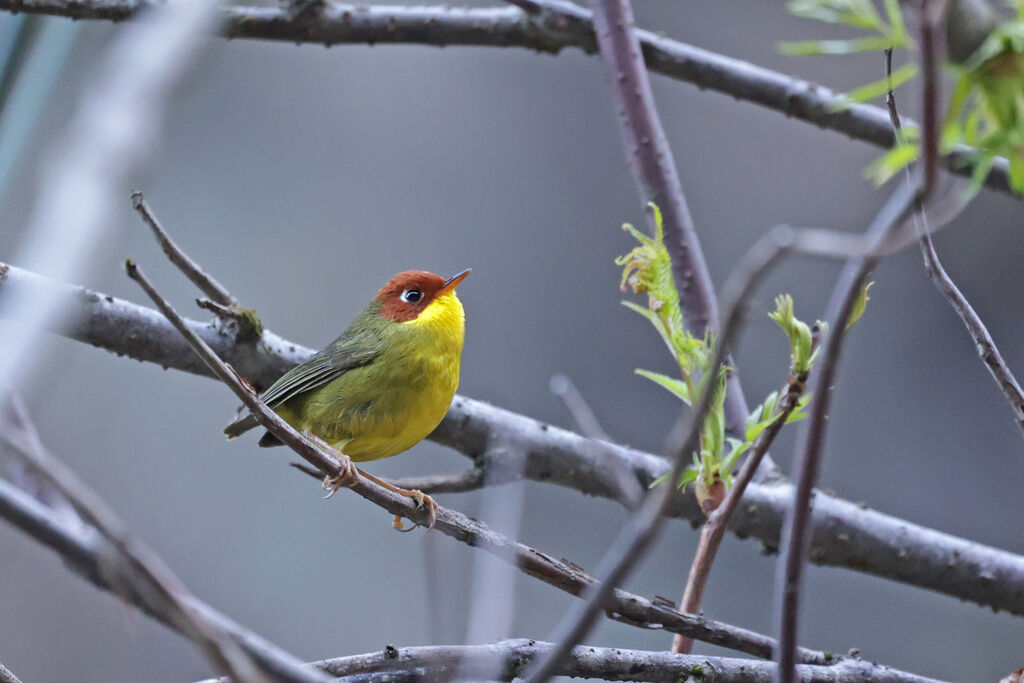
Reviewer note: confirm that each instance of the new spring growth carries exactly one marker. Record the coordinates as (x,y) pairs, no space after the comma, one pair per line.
(647,269)
(986,109)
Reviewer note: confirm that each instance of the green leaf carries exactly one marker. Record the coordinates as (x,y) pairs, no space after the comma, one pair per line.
(800,338)
(688,476)
(729,461)
(645,312)
(898,29)
(875,88)
(885,167)
(803,48)
(855,13)
(859,305)
(676,386)
(798,412)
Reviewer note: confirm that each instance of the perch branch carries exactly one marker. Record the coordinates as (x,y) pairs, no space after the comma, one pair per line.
(844,533)
(551,26)
(563,575)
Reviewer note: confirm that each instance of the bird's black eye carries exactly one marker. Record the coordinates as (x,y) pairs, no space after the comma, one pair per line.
(412,295)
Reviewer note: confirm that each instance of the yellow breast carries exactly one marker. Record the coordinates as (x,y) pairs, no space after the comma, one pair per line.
(403,395)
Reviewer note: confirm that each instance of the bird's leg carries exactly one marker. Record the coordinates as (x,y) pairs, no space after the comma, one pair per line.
(422,501)
(348,474)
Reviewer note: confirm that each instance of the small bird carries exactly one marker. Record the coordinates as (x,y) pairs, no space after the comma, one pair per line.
(385,383)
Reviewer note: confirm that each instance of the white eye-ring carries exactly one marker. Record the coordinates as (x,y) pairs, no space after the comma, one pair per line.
(412,296)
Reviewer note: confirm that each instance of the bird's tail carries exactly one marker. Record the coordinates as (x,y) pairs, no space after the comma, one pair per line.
(241,426)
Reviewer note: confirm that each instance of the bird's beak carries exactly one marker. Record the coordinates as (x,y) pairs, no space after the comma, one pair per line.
(454,281)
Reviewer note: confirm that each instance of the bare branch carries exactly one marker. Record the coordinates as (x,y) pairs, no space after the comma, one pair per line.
(844,534)
(7,676)
(192,270)
(551,26)
(511,658)
(86,551)
(134,569)
(558,573)
(983,342)
(470,480)
(128,569)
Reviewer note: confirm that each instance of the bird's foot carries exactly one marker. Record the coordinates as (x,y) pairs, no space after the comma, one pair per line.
(422,501)
(348,475)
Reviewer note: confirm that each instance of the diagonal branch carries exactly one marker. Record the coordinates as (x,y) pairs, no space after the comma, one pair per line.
(127,568)
(798,521)
(843,533)
(7,676)
(88,553)
(133,568)
(553,26)
(559,573)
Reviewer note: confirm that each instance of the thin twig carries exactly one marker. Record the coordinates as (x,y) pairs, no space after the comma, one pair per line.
(629,491)
(845,534)
(470,480)
(582,415)
(612,664)
(713,531)
(132,570)
(795,536)
(983,342)
(904,202)
(192,270)
(558,573)
(550,27)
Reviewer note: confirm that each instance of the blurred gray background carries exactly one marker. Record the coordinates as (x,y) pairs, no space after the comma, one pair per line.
(304,177)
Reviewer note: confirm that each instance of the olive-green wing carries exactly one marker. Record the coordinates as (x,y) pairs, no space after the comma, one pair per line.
(340,356)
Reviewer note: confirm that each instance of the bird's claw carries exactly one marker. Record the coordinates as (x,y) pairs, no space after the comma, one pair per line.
(422,501)
(348,475)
